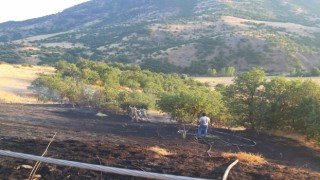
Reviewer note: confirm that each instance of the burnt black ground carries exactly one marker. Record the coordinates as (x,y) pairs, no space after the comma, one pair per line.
(116,141)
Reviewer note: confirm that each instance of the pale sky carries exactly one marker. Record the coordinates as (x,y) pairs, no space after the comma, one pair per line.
(17,10)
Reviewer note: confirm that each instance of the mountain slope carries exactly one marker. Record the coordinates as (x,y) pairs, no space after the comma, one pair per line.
(186,36)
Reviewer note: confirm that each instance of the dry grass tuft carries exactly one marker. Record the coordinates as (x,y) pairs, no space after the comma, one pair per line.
(160,151)
(213,81)
(249,158)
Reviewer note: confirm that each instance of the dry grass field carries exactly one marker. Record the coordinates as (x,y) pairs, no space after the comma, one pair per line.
(290,27)
(15,80)
(213,81)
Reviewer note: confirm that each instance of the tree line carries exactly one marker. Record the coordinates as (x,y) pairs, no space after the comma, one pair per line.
(252,100)
(277,103)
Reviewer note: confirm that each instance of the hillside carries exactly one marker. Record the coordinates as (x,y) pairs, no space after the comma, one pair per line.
(184,36)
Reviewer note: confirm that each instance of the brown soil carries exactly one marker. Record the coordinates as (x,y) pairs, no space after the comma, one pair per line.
(116,141)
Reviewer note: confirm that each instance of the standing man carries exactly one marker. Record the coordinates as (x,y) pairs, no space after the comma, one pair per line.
(203,127)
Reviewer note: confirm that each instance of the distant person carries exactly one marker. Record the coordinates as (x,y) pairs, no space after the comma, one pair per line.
(203,126)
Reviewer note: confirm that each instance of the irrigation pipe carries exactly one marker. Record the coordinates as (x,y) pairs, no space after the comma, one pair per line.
(209,149)
(226,173)
(96,167)
(253,143)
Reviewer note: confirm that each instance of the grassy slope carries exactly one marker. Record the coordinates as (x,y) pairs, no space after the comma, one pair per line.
(14,82)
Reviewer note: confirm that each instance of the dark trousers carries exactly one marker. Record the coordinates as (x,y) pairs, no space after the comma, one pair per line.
(202,129)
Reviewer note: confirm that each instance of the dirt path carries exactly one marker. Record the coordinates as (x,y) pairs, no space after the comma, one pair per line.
(116,141)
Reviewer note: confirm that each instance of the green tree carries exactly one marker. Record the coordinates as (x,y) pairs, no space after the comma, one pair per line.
(74,90)
(61,65)
(306,100)
(137,99)
(275,103)
(112,78)
(230,71)
(223,72)
(89,76)
(212,72)
(187,105)
(292,105)
(315,71)
(293,72)
(243,96)
(51,86)
(173,83)
(307,119)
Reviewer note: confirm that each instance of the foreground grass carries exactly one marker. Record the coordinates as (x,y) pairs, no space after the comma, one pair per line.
(159,151)
(15,80)
(252,159)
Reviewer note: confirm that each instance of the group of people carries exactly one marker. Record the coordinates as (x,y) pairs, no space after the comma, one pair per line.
(138,115)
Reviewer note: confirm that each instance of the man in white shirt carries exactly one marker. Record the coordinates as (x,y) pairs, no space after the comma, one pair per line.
(203,127)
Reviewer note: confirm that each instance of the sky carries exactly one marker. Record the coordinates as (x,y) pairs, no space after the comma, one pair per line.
(18,10)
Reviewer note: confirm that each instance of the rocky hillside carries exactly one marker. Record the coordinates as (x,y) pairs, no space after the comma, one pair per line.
(185,36)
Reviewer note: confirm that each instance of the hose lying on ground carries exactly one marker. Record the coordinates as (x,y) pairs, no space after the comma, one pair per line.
(252,143)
